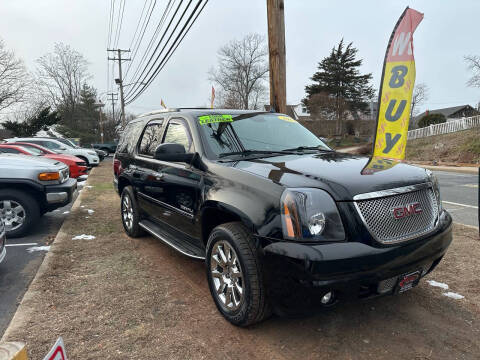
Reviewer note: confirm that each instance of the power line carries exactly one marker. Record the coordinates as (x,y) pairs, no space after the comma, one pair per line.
(146,21)
(138,24)
(181,35)
(134,88)
(121,10)
(152,41)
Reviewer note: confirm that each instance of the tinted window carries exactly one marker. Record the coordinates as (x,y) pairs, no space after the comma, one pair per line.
(265,132)
(150,139)
(129,137)
(177,133)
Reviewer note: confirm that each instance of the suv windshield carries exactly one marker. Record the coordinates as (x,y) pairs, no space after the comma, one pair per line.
(260,133)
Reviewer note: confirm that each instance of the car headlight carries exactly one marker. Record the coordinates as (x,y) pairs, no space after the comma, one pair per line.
(310,215)
(91,152)
(436,188)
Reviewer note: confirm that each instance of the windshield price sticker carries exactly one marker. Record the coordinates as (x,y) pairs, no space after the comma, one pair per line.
(212,119)
(286,118)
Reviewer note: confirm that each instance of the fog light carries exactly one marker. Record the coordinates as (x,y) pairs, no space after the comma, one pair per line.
(327,298)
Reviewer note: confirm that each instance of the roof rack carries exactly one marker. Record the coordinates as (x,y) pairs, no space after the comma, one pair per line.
(159,111)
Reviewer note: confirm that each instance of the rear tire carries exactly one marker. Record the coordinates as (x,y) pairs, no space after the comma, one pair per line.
(130,213)
(236,284)
(19,211)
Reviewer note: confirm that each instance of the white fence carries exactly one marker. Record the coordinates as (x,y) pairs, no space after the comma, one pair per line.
(444,128)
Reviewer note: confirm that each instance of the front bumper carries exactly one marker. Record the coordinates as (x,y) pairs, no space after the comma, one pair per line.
(60,195)
(299,275)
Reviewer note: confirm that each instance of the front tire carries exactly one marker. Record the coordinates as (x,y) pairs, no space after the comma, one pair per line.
(234,275)
(19,211)
(130,212)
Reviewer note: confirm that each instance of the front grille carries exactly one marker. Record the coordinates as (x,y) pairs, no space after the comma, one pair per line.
(378,215)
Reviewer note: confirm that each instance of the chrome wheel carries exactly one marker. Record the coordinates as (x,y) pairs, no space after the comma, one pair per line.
(127,212)
(13,214)
(227,276)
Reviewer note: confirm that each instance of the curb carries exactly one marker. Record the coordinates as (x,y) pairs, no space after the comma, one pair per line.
(21,315)
(460,169)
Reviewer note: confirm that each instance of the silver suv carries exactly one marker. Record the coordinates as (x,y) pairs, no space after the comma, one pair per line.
(87,155)
(30,187)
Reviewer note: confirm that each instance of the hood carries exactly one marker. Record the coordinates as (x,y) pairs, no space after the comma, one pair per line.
(11,161)
(342,175)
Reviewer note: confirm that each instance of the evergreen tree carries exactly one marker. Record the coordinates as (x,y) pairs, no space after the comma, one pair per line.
(40,121)
(339,87)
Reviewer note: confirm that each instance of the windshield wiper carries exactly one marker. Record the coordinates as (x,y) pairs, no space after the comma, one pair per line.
(255,152)
(317,148)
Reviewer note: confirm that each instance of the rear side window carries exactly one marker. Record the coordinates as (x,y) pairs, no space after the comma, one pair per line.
(51,145)
(151,139)
(177,133)
(129,137)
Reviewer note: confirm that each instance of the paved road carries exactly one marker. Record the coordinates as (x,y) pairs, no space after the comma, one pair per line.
(460,196)
(21,265)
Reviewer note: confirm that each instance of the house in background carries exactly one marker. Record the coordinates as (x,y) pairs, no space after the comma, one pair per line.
(297,112)
(451,113)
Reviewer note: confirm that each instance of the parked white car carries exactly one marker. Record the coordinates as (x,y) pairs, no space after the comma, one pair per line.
(88,155)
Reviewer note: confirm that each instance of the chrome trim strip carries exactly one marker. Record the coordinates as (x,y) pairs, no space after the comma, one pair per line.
(168,206)
(391,192)
(161,238)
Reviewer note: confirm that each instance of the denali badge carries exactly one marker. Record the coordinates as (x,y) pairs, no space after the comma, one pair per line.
(407,210)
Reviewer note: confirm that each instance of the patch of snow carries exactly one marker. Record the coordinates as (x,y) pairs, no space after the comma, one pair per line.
(90,211)
(89,186)
(438,284)
(453,295)
(82,206)
(50,132)
(38,248)
(83,237)
(66,212)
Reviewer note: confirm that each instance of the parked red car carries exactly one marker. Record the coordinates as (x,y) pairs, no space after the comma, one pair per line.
(77,166)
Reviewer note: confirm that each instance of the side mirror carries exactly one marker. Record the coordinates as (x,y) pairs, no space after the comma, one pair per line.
(172,152)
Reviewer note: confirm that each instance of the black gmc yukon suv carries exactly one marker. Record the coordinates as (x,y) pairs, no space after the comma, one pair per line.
(281,220)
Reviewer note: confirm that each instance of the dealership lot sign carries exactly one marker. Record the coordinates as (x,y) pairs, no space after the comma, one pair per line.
(395,97)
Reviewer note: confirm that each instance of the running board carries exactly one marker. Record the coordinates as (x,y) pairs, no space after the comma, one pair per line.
(183,247)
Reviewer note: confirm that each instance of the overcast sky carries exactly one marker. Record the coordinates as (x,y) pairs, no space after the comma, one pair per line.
(448,32)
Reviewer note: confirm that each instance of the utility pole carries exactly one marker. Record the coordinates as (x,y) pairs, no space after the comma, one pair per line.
(100,105)
(113,97)
(276,47)
(119,81)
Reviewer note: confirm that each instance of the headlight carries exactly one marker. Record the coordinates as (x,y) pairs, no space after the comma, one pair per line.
(91,152)
(310,215)
(436,188)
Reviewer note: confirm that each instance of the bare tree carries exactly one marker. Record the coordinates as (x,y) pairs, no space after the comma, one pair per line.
(420,95)
(61,74)
(473,64)
(13,78)
(241,72)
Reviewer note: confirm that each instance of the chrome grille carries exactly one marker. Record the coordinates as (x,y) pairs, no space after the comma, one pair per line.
(377,214)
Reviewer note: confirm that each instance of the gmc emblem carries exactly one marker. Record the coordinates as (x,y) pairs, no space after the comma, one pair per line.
(407,210)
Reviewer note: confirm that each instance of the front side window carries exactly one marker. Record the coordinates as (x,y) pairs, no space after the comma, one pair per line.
(257,132)
(151,139)
(9,151)
(177,133)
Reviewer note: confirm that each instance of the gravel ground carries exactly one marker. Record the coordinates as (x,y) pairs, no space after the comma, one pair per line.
(113,297)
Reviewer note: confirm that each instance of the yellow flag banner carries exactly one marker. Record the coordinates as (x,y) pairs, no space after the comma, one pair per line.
(395,97)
